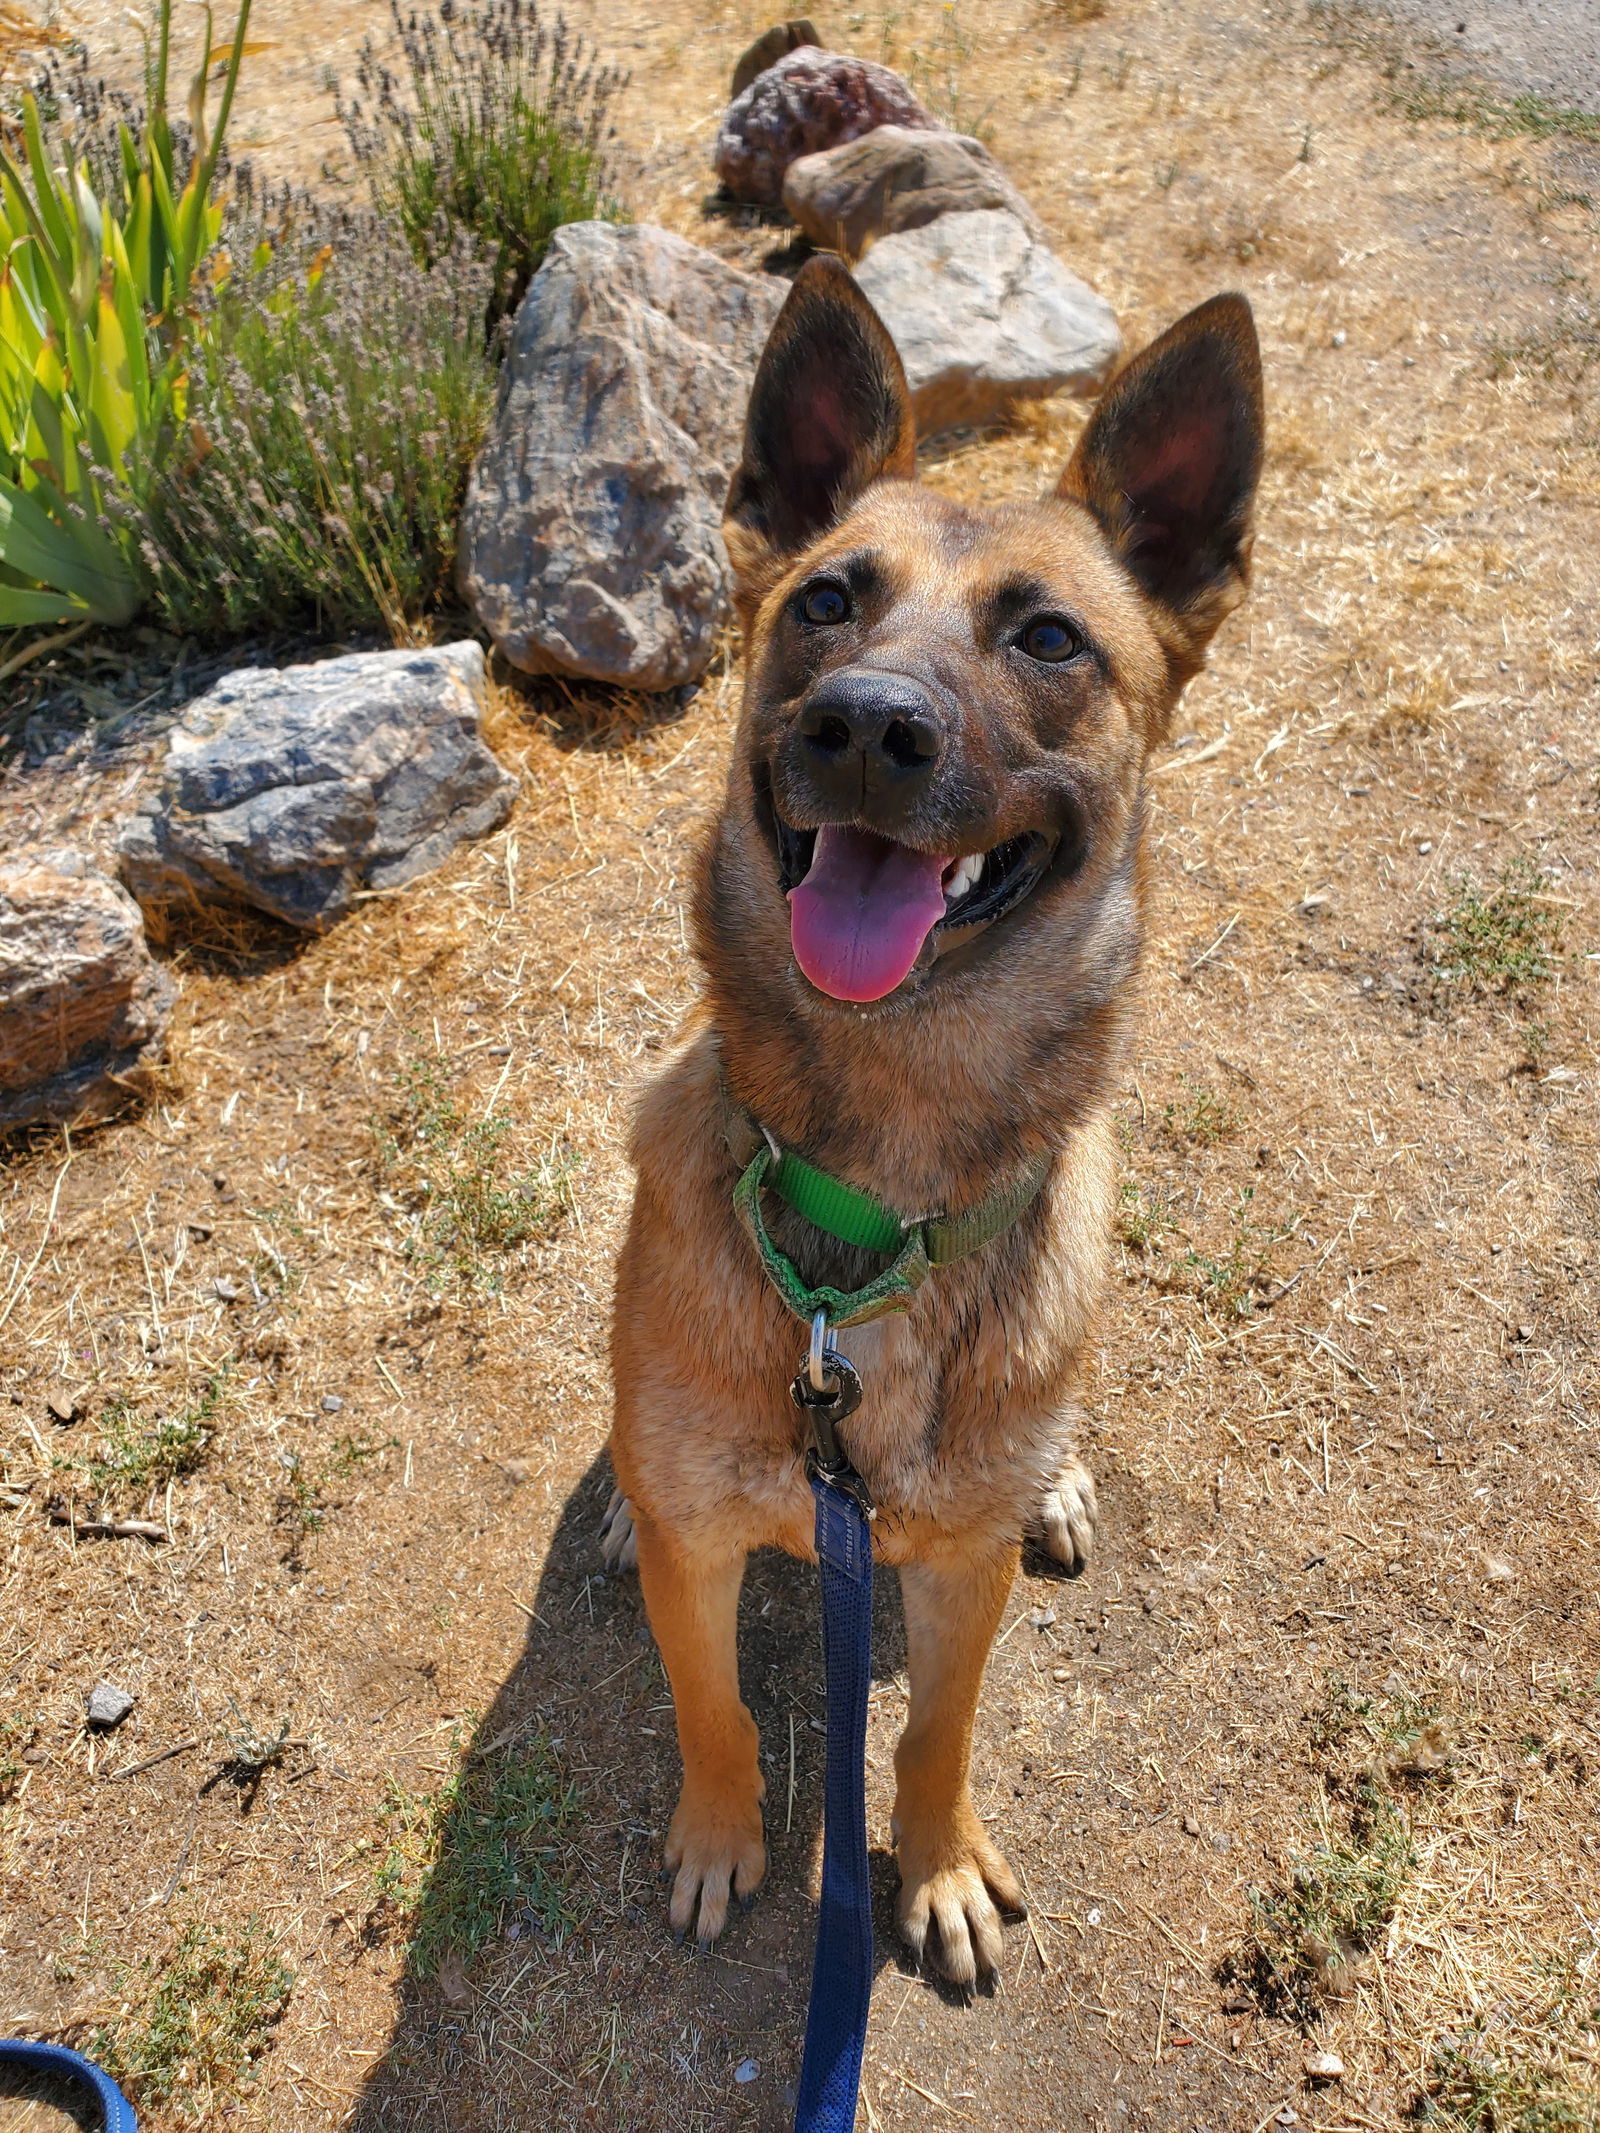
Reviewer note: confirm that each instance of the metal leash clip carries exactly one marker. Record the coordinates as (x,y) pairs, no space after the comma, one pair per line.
(827,1391)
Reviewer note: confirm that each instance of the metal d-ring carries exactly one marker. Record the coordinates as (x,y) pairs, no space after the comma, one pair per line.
(818,1377)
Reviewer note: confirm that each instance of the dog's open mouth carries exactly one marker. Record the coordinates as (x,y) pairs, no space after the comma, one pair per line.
(862,908)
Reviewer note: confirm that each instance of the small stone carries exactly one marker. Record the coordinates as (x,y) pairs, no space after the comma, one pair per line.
(1221,1840)
(1288,2116)
(1339,338)
(1497,1571)
(591,537)
(984,316)
(332,1404)
(226,1291)
(1191,1827)
(1061,1673)
(83,1007)
(807,101)
(746,2070)
(108,1705)
(1043,1618)
(771,46)
(291,789)
(1324,2066)
(64,1408)
(895,178)
(1425,847)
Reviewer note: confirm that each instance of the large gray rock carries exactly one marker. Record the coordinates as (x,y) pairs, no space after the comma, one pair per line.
(807,101)
(895,178)
(590,538)
(83,1009)
(984,315)
(290,788)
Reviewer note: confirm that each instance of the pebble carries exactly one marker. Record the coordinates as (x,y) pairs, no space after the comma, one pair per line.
(108,1705)
(332,1404)
(1061,1673)
(1191,1827)
(1324,2066)
(64,1407)
(226,1291)
(1425,847)
(1339,339)
(1497,1571)
(1043,1618)
(746,2070)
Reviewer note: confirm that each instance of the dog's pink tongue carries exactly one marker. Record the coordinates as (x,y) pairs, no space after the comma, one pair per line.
(860,917)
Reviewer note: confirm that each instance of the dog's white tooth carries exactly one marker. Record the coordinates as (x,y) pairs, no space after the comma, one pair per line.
(963,876)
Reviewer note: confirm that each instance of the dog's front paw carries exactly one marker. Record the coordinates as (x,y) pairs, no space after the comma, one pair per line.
(714,1847)
(619,1544)
(1067,1518)
(960,1883)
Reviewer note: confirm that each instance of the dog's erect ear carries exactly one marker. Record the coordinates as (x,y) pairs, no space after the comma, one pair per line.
(1170,461)
(829,413)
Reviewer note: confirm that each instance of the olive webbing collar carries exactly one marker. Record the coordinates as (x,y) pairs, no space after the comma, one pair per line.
(913,1247)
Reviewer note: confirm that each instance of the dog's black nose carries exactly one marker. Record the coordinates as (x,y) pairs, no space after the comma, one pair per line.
(866,734)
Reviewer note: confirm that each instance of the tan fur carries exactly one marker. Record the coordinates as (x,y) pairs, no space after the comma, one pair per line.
(1005,1048)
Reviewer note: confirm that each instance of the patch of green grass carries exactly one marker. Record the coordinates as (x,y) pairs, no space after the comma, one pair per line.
(1233,1283)
(136,1455)
(465,1214)
(1566,350)
(1496,2077)
(1143,1218)
(459,1858)
(1481,108)
(1197,1116)
(306,1497)
(192,2026)
(1499,938)
(499,132)
(1335,1903)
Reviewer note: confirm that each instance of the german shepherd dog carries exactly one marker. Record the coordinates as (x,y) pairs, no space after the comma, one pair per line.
(919,915)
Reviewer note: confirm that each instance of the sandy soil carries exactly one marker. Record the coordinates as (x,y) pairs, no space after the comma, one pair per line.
(1381,1474)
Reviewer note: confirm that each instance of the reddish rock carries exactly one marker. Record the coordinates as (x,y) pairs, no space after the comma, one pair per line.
(809,101)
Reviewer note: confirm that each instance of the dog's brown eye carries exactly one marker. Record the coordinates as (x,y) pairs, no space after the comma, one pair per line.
(1051,640)
(825,603)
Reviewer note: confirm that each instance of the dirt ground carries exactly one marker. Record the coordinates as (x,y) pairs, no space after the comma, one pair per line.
(1340,1645)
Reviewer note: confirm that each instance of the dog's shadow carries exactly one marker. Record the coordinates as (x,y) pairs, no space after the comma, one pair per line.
(551,2001)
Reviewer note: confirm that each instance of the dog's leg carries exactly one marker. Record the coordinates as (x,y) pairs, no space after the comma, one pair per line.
(715,1841)
(950,1873)
(1068,1515)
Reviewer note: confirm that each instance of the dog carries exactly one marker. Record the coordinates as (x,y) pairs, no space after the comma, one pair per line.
(918,913)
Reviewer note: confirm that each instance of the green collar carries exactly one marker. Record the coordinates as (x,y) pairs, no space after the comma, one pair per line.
(913,1248)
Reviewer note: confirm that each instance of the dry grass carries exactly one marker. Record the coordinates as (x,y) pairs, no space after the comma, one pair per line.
(1383,1468)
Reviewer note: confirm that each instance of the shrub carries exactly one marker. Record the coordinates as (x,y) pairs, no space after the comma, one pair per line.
(337,400)
(103,250)
(192,2026)
(500,131)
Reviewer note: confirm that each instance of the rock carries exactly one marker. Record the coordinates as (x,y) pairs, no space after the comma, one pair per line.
(83,1008)
(771,46)
(590,538)
(108,1705)
(1497,1571)
(984,316)
(895,178)
(288,789)
(1324,2066)
(807,101)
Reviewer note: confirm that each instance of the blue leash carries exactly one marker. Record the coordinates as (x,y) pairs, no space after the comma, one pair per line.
(55,2060)
(841,1973)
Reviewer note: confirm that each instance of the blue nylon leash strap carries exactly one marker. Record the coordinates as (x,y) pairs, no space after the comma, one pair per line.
(59,2064)
(841,1975)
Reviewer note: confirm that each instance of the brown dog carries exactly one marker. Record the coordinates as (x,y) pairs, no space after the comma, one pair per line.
(919,916)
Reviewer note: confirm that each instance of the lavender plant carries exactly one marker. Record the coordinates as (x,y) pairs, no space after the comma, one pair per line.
(498,126)
(334,411)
